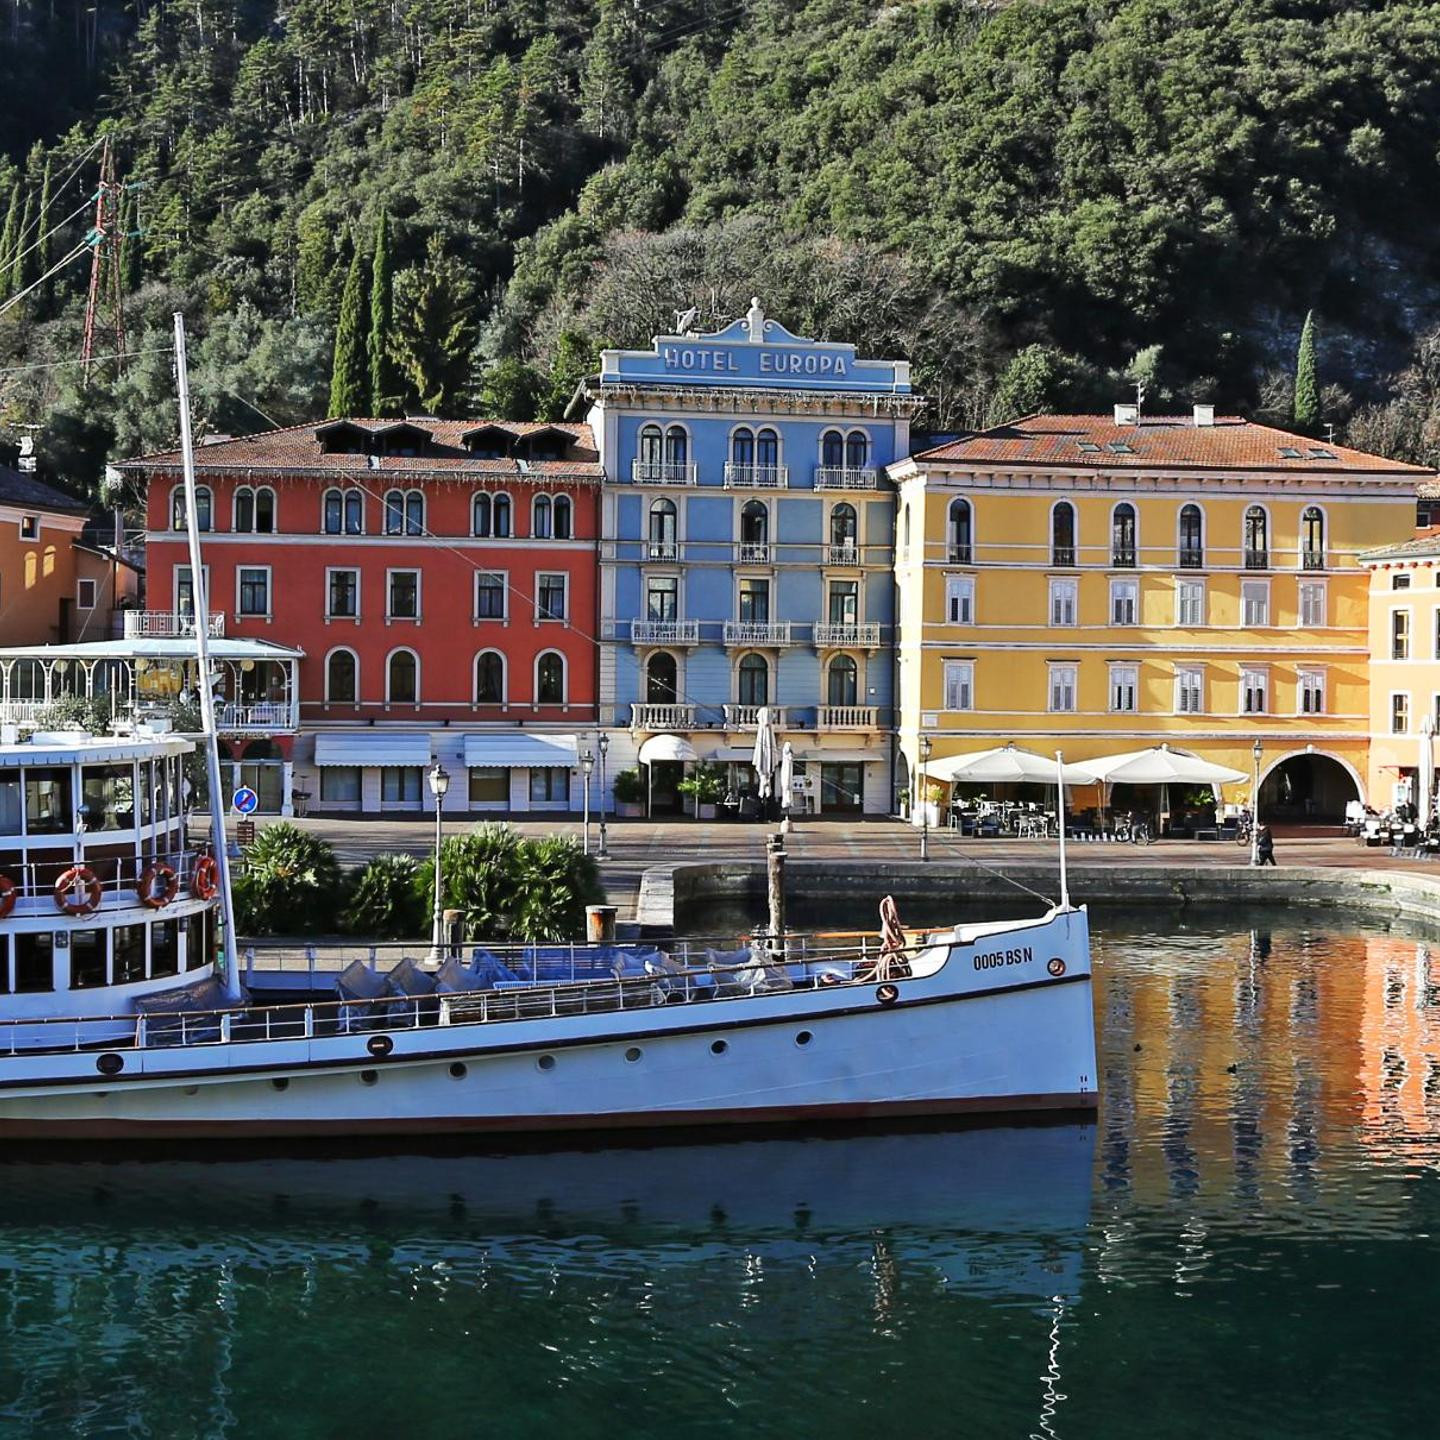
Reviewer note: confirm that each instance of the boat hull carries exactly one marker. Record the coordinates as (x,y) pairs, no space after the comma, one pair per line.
(964,1039)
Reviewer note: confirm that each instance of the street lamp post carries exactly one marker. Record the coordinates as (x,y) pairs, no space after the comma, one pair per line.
(439,783)
(1257,752)
(603,744)
(924,799)
(587,764)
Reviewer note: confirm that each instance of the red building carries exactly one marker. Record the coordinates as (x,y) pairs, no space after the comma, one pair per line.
(440,579)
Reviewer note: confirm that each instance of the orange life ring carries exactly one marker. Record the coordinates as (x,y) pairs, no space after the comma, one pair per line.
(9,893)
(81,875)
(145,886)
(205,878)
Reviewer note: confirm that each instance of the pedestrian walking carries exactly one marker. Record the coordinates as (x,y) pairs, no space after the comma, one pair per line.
(1265,846)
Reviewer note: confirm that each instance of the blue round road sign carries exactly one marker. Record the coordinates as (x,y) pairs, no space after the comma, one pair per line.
(245,801)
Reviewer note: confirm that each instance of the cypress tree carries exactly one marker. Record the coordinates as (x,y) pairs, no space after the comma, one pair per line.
(384,384)
(7,240)
(1307,387)
(42,248)
(21,271)
(349,376)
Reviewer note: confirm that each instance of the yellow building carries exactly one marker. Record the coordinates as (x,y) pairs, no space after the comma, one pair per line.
(1099,584)
(1404,663)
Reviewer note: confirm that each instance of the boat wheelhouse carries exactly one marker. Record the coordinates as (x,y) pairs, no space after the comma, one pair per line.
(103,903)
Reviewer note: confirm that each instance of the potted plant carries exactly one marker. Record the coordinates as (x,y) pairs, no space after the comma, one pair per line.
(703,788)
(937,793)
(629,794)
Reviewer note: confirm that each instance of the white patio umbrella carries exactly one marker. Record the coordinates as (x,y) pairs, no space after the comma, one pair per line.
(1007,763)
(1159,765)
(1426,777)
(764,757)
(787,775)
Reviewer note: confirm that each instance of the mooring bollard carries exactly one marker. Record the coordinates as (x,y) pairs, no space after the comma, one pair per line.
(600,924)
(775,890)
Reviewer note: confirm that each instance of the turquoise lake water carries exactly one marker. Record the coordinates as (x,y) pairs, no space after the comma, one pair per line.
(1244,1244)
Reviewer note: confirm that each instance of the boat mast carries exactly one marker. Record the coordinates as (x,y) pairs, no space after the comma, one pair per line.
(1060,815)
(202,655)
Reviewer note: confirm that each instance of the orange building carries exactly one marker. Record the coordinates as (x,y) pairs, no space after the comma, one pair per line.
(54,588)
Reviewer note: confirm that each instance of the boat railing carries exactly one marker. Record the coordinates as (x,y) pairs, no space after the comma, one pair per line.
(114,874)
(507,1001)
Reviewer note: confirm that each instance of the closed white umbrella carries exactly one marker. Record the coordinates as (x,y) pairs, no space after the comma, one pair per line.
(764,757)
(1427,769)
(787,775)
(1007,763)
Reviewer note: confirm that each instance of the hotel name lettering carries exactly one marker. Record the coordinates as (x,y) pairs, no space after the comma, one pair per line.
(771,362)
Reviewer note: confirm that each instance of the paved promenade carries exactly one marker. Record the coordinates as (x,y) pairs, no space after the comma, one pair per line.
(635,845)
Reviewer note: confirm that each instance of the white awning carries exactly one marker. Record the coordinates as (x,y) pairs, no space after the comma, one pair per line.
(666,747)
(523,750)
(372,747)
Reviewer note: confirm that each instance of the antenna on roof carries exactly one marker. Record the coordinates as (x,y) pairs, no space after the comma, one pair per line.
(1139,398)
(1330,431)
(684,319)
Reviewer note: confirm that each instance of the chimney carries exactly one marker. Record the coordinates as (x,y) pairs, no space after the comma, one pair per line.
(1127,414)
(1204,415)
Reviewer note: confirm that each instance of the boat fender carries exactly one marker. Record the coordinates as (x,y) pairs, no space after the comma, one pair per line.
(81,878)
(9,893)
(380,1046)
(110,1064)
(887,994)
(158,896)
(205,878)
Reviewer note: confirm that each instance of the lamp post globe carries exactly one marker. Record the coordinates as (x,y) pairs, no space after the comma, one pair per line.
(1256,752)
(587,764)
(439,778)
(925,748)
(603,745)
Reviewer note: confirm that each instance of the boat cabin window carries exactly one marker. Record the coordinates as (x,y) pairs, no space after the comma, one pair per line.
(199,939)
(129,944)
(165,948)
(47,802)
(34,962)
(87,959)
(11,810)
(107,797)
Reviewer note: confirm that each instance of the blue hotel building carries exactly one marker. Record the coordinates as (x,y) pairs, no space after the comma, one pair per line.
(746,556)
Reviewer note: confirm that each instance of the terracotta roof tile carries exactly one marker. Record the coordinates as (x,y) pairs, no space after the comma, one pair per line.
(1421,547)
(298,448)
(18,487)
(1160,442)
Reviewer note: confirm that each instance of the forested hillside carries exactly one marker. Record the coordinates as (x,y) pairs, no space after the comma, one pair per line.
(1040,202)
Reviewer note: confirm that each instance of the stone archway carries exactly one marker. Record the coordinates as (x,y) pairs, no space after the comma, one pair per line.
(1308,788)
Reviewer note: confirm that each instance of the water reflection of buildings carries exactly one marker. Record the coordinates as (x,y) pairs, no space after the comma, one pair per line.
(1232,1062)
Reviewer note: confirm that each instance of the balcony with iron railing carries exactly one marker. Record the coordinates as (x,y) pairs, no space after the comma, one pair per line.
(747,717)
(1312,560)
(846,717)
(1062,556)
(961,553)
(1122,557)
(757,632)
(662,717)
(663,472)
(756,552)
(259,717)
(1192,558)
(167,625)
(662,550)
(863,635)
(756,477)
(1257,559)
(841,477)
(846,554)
(665,632)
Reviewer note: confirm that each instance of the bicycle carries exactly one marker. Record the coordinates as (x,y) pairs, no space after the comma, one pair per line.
(1128,828)
(1244,828)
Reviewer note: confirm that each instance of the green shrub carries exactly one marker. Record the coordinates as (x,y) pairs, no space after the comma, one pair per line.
(558,880)
(287,884)
(384,901)
(629,787)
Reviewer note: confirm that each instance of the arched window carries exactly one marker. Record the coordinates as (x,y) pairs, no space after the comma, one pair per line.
(754,524)
(354,513)
(204,508)
(842,684)
(767,450)
(340,678)
(1312,538)
(661,679)
(394,512)
(843,531)
(832,450)
(961,533)
(563,511)
(857,450)
(540,518)
(1257,538)
(1122,534)
(663,519)
(414,513)
(265,511)
(500,509)
(742,446)
(480,515)
(652,447)
(1062,534)
(244,509)
(677,446)
(1192,538)
(489,678)
(334,512)
(550,679)
(754,680)
(402,678)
